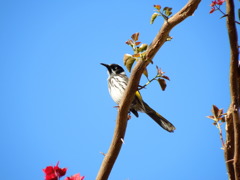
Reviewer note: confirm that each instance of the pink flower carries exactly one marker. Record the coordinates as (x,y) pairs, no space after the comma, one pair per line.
(54,172)
(75,177)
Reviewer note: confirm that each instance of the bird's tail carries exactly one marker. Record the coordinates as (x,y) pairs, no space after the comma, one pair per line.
(164,123)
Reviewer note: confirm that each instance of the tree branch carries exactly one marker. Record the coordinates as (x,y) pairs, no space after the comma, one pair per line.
(234,86)
(121,122)
(229,145)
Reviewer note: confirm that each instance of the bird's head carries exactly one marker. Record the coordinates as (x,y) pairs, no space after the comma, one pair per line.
(114,69)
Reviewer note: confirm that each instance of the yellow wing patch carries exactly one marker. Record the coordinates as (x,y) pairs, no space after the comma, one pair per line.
(138,95)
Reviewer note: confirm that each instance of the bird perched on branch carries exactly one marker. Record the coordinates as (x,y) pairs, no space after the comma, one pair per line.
(117,83)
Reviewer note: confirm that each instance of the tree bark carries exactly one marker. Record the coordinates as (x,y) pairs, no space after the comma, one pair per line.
(232,151)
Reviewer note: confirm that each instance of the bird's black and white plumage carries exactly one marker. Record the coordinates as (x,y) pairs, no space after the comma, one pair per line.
(117,83)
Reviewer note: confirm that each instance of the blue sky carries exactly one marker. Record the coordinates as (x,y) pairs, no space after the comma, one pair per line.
(55,104)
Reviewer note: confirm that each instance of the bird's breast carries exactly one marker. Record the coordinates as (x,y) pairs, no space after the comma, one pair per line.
(116,87)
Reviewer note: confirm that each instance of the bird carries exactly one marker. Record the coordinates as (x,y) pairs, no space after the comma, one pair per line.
(117,83)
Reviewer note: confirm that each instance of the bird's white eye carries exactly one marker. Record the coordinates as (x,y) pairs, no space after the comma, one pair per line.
(115,67)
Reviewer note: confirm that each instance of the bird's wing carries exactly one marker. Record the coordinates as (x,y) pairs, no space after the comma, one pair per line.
(139,98)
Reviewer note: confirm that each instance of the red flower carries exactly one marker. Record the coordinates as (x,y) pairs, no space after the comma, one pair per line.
(75,177)
(212,10)
(54,172)
(217,2)
(213,3)
(220,2)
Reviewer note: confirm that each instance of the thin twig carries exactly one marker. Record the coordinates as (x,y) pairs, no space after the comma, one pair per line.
(221,135)
(149,81)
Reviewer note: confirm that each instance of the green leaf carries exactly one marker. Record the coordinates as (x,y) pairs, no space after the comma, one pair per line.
(210,117)
(126,58)
(162,83)
(165,8)
(136,55)
(220,112)
(145,72)
(215,111)
(158,7)
(166,77)
(143,56)
(167,11)
(169,38)
(130,42)
(137,43)
(143,47)
(128,61)
(135,36)
(153,17)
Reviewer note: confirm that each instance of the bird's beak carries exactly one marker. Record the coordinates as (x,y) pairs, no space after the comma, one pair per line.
(106,65)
